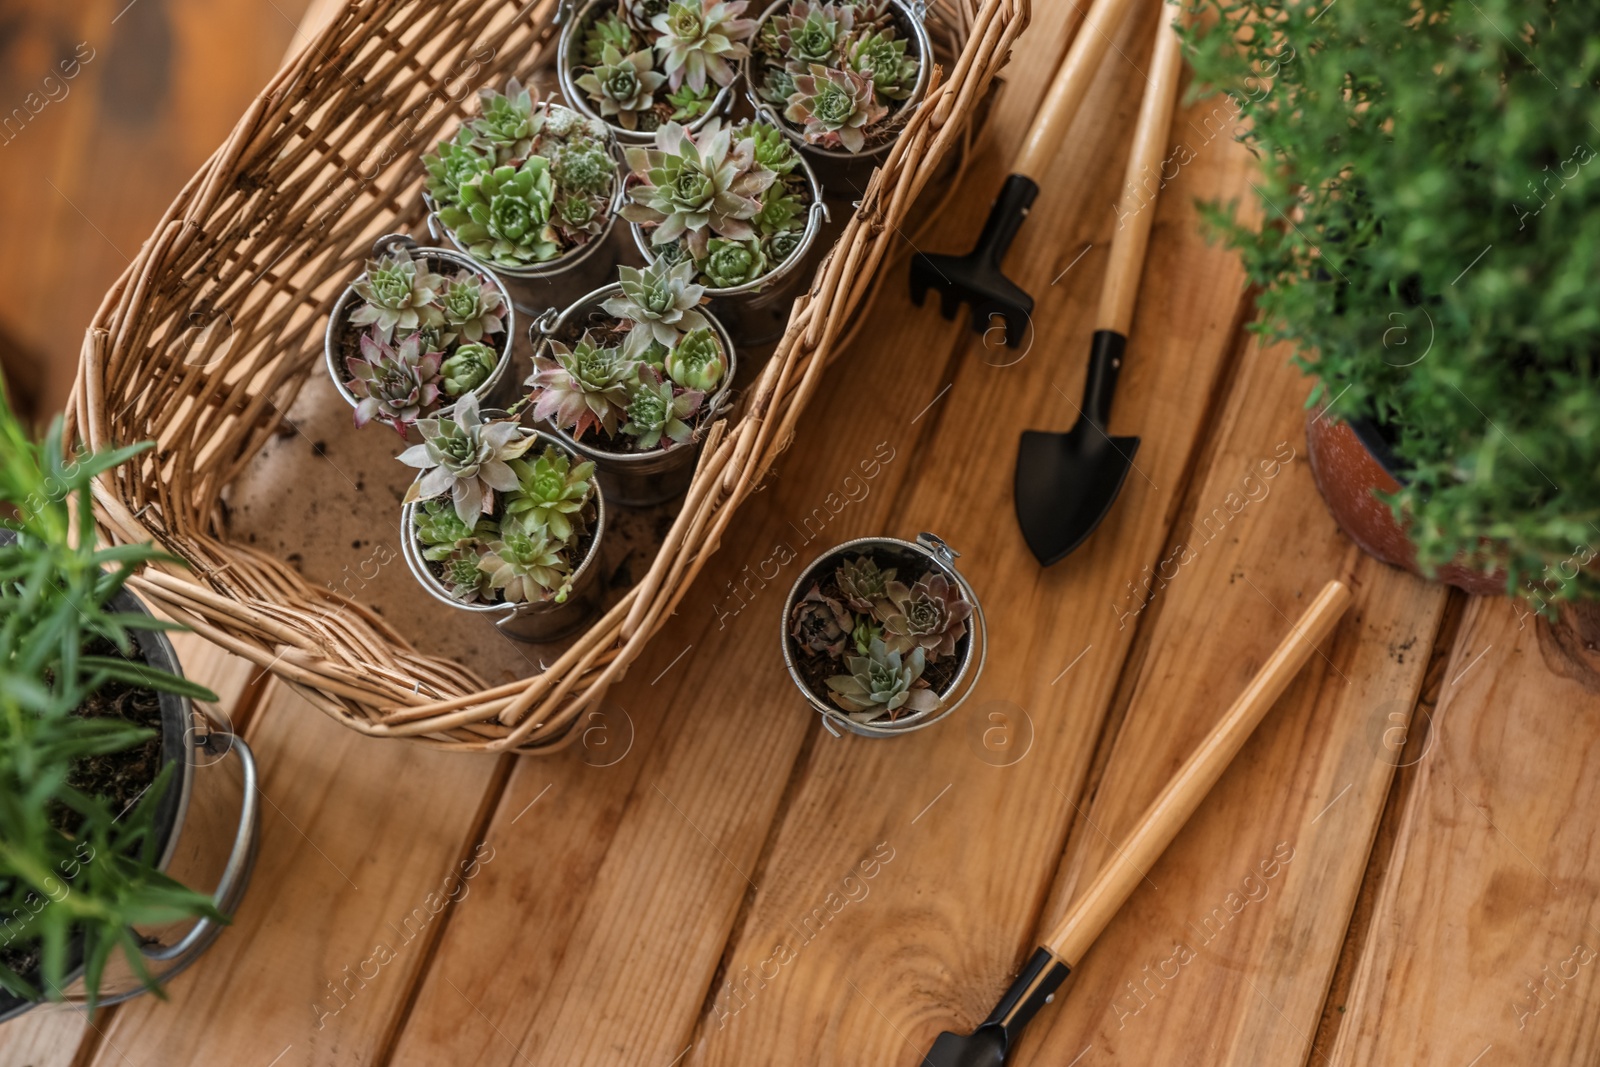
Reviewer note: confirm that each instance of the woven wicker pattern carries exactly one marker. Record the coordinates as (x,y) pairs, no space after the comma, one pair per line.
(205,340)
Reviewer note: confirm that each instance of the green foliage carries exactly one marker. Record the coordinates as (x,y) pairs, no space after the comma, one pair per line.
(1430,243)
(73,867)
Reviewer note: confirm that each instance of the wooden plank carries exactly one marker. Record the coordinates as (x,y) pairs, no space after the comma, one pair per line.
(1482,947)
(1231,942)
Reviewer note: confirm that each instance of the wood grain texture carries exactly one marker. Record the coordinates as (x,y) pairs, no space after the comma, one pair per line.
(1221,957)
(1485,937)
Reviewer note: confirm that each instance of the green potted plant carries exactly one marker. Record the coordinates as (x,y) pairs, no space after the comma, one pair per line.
(98,767)
(840,79)
(632,376)
(1430,242)
(638,64)
(741,205)
(883,636)
(530,190)
(418,330)
(495,528)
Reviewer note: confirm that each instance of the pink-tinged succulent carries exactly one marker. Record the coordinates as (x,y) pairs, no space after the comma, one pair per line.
(696,186)
(699,37)
(820,625)
(394,384)
(813,33)
(398,293)
(883,683)
(467,458)
(584,387)
(834,106)
(931,615)
(862,584)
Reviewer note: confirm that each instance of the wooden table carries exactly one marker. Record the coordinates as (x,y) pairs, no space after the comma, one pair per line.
(1399,869)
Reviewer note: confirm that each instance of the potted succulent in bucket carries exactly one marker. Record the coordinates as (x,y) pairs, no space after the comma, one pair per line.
(840,79)
(631,376)
(98,767)
(639,64)
(884,636)
(1438,277)
(529,189)
(740,205)
(418,330)
(504,522)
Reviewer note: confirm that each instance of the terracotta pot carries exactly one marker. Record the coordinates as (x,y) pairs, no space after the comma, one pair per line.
(1350,467)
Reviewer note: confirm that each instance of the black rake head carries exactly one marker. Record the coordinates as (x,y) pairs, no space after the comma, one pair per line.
(976,278)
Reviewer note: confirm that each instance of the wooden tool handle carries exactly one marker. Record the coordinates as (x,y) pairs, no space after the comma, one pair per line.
(1136,206)
(1166,815)
(1070,86)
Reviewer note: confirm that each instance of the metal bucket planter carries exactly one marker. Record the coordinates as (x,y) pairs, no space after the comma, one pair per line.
(561,279)
(207,828)
(496,389)
(845,175)
(756,313)
(546,621)
(637,479)
(928,551)
(573,16)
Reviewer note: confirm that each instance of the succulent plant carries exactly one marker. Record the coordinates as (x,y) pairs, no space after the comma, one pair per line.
(882,682)
(655,413)
(456,162)
(862,584)
(777,86)
(641,14)
(463,576)
(468,367)
(881,57)
(528,565)
(393,384)
(834,106)
(622,85)
(696,362)
(699,37)
(441,531)
(780,246)
(472,306)
(551,491)
(730,263)
(781,212)
(465,457)
(506,122)
(662,300)
(583,166)
(398,293)
(930,614)
(819,624)
(578,214)
(813,33)
(582,387)
(689,103)
(696,185)
(612,31)
(866,631)
(643,348)
(772,148)
(504,216)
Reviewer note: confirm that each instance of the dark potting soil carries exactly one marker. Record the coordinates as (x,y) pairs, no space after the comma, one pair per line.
(119,778)
(816,668)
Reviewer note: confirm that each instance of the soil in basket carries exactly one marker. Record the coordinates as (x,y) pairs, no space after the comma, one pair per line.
(121,778)
(815,670)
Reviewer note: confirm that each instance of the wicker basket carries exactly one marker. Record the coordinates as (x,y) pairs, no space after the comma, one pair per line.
(209,335)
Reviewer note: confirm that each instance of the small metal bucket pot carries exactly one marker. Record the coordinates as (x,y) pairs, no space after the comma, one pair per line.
(928,551)
(845,175)
(207,828)
(559,280)
(573,17)
(757,313)
(546,621)
(637,479)
(496,389)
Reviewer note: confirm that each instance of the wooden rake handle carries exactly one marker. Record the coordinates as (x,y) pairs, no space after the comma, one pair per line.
(1136,205)
(1166,815)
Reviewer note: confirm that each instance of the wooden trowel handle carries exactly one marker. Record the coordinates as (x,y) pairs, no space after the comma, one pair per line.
(1136,204)
(1070,86)
(1166,815)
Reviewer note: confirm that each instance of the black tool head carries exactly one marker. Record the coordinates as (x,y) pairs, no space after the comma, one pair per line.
(1066,483)
(984,1047)
(976,280)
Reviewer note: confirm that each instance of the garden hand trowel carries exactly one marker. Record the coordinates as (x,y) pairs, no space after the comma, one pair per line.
(1066,482)
(989,1044)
